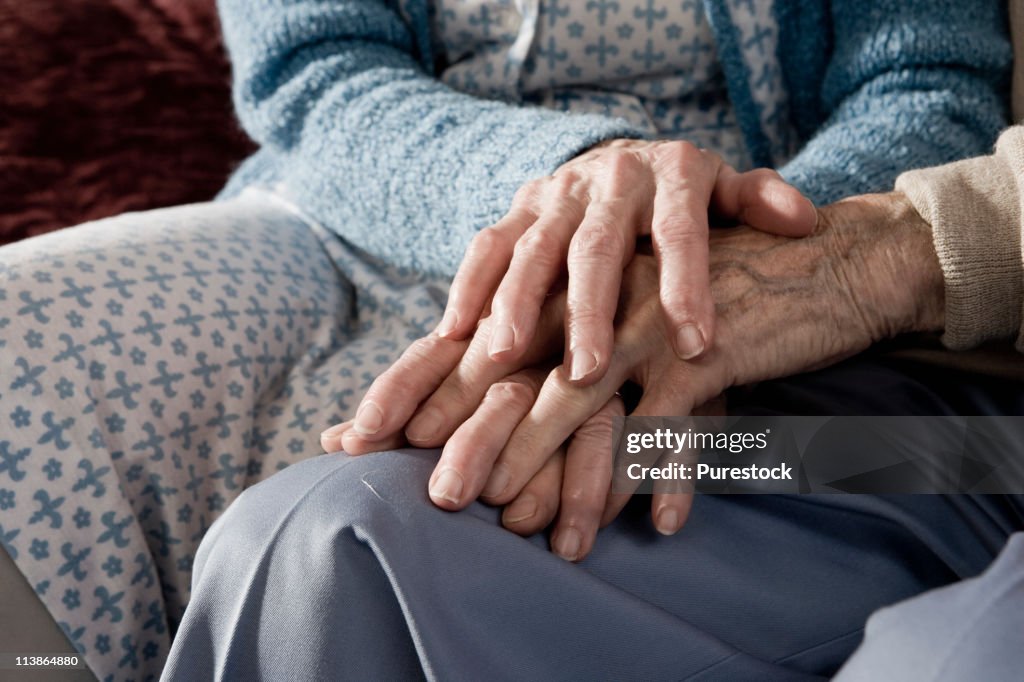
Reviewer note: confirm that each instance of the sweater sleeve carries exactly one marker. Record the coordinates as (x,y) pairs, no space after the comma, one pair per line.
(370,144)
(975,210)
(909,85)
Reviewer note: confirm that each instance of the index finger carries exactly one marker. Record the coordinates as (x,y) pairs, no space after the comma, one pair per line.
(395,394)
(485,263)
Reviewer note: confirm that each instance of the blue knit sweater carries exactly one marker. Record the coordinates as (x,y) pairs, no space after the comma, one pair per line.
(352,123)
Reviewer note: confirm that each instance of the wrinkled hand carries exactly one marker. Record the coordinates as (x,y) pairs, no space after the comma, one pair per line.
(784,306)
(585,219)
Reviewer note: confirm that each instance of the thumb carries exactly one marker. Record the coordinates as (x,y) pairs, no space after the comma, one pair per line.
(762,199)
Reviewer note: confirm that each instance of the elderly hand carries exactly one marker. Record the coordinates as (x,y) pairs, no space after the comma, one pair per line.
(784,306)
(586,219)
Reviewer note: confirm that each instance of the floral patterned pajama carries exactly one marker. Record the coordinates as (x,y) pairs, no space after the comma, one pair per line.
(154,365)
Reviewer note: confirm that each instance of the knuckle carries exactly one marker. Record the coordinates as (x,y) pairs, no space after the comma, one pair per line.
(565,178)
(624,164)
(424,349)
(458,393)
(601,238)
(581,501)
(487,241)
(679,231)
(511,392)
(713,158)
(679,159)
(683,306)
(676,152)
(603,420)
(530,191)
(587,318)
(598,426)
(570,208)
(538,244)
(684,148)
(392,383)
(574,496)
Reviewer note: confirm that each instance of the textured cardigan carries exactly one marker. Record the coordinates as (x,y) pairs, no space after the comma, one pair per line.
(360,135)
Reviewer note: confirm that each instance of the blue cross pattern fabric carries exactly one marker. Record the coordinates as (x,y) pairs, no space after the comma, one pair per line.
(157,364)
(653,64)
(839,95)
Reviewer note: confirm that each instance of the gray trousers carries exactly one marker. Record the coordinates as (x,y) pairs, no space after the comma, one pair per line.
(341,568)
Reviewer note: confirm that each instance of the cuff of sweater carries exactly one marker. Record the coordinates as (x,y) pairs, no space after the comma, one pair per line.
(974,209)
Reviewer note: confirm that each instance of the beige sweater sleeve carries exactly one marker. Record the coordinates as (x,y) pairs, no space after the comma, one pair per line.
(975,210)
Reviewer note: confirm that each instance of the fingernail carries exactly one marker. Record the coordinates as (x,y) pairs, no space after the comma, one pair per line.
(448,323)
(689,342)
(567,544)
(448,486)
(498,481)
(425,425)
(583,363)
(668,521)
(520,510)
(369,419)
(333,431)
(503,338)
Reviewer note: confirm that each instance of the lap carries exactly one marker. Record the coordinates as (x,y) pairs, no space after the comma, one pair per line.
(159,363)
(763,587)
(768,587)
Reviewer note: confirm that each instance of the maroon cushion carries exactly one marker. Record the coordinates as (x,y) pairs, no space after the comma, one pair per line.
(110,106)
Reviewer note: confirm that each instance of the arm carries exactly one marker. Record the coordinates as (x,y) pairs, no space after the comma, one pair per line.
(909,85)
(974,208)
(370,143)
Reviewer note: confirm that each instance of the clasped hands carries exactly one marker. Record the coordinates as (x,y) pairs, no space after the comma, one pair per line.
(606,273)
